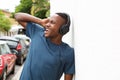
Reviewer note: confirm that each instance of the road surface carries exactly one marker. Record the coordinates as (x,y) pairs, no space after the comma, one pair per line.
(17,73)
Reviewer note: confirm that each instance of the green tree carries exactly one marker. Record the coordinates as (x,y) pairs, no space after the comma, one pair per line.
(4,22)
(38,8)
(24,6)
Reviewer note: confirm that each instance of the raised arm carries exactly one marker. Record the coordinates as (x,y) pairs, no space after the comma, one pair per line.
(23,18)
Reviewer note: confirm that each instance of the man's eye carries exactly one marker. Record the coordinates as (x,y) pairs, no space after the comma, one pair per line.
(52,22)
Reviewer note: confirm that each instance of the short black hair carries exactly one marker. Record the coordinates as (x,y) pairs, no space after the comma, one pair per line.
(65,27)
(66,17)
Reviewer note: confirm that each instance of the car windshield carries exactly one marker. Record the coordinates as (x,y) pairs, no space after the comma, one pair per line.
(4,49)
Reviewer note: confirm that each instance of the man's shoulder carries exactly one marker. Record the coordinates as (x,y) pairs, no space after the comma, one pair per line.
(68,47)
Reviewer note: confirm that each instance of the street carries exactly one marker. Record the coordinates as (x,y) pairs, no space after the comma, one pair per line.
(16,75)
(15,50)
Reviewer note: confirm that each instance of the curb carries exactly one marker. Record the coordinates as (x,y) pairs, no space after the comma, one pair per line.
(17,75)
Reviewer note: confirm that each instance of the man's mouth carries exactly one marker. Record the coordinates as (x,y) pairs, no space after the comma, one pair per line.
(46,30)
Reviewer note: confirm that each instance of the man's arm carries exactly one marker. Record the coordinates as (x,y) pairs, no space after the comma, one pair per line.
(23,18)
(68,76)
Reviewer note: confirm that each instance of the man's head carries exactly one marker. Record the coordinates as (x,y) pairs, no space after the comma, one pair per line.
(58,25)
(65,27)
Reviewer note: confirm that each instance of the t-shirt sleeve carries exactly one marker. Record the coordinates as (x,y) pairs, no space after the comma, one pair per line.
(32,29)
(70,64)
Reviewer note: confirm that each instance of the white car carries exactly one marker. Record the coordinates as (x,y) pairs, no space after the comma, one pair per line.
(24,37)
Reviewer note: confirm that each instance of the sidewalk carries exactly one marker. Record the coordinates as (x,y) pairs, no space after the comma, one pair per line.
(17,75)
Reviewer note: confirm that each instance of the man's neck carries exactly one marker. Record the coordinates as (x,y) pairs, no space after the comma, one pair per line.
(57,40)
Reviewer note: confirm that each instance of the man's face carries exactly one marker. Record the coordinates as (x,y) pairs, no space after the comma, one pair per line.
(52,27)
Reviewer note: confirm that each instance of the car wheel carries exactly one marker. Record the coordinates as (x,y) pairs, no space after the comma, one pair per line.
(13,70)
(21,60)
(4,76)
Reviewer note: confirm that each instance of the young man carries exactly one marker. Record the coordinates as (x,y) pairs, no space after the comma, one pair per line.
(48,56)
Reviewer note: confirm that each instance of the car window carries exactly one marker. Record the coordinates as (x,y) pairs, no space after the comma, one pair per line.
(7,48)
(12,44)
(4,49)
(26,41)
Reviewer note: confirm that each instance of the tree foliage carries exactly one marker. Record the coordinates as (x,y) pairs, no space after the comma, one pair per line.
(4,22)
(41,8)
(24,6)
(38,8)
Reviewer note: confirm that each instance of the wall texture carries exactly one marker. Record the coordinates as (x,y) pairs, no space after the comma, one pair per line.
(95,35)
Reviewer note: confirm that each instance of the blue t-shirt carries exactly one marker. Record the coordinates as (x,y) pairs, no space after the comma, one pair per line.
(46,60)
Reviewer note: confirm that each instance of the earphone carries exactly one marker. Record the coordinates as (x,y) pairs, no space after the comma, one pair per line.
(65,28)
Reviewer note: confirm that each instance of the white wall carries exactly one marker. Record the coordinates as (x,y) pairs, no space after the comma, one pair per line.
(59,6)
(96,37)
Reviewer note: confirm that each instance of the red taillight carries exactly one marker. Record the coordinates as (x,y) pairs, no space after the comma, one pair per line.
(19,47)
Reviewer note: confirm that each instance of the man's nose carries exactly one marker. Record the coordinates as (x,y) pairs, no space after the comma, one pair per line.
(47,25)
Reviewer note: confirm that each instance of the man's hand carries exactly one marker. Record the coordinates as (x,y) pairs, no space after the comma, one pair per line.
(45,21)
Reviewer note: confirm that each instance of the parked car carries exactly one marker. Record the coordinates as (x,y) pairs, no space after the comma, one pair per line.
(26,39)
(7,61)
(17,45)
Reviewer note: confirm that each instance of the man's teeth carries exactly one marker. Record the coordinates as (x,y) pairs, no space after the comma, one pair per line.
(46,29)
